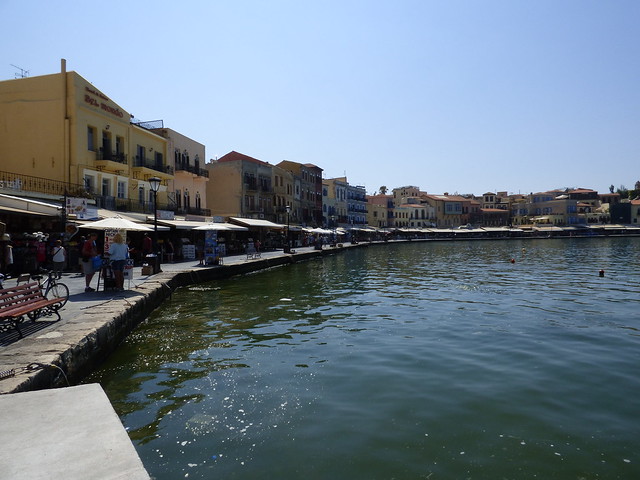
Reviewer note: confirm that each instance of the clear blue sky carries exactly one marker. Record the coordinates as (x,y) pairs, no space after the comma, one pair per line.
(451,96)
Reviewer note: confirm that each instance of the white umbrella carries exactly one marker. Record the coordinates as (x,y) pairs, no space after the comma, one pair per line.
(117,223)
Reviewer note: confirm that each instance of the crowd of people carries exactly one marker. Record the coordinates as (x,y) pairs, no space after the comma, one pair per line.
(33,253)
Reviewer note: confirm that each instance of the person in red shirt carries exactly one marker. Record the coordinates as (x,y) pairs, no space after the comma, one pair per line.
(147,245)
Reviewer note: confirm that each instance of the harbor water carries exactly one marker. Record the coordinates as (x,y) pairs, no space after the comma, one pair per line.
(435,360)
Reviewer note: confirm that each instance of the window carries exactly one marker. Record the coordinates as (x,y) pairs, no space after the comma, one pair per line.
(178,199)
(120,148)
(159,161)
(106,187)
(139,156)
(122,190)
(141,195)
(89,183)
(106,145)
(91,140)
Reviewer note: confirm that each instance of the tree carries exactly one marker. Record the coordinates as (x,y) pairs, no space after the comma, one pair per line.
(623,191)
(383,190)
(611,188)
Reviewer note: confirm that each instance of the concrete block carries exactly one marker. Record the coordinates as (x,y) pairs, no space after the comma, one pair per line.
(71,433)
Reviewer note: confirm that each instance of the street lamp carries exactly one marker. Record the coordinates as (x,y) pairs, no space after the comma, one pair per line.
(287,248)
(335,233)
(154,183)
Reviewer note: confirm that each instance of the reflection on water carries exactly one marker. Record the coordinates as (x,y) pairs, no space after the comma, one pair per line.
(420,360)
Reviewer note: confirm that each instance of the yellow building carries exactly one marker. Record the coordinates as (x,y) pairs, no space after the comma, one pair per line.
(64,131)
(188,192)
(241,186)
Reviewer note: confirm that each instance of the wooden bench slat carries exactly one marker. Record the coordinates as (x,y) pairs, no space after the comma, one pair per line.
(25,299)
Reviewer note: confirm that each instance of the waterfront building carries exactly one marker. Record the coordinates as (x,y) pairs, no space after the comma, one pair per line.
(187,192)
(284,183)
(400,194)
(356,205)
(553,207)
(308,190)
(61,135)
(380,211)
(635,212)
(449,210)
(626,212)
(335,207)
(493,217)
(240,186)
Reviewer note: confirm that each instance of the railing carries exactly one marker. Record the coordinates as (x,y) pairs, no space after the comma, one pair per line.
(201,172)
(128,205)
(112,156)
(140,162)
(192,211)
(16,182)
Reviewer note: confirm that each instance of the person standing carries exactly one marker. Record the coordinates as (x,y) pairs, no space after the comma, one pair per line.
(118,253)
(59,257)
(7,254)
(41,252)
(89,250)
(170,250)
(147,245)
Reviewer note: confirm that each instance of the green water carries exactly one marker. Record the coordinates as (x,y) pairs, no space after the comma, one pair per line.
(419,360)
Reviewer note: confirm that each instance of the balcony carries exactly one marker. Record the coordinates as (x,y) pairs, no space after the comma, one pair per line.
(192,211)
(197,171)
(14,183)
(111,161)
(127,204)
(149,168)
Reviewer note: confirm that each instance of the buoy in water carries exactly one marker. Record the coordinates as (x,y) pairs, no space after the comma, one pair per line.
(601,273)
(513,260)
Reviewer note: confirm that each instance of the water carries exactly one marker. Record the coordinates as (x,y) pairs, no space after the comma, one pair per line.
(421,360)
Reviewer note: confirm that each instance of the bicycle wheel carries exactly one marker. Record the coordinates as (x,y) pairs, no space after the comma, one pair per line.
(60,291)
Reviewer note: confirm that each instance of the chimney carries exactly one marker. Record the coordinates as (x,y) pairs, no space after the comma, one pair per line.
(63,65)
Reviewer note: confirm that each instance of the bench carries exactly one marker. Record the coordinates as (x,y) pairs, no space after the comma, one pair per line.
(25,300)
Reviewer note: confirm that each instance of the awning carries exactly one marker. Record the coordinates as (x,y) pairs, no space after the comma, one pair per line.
(25,212)
(180,224)
(255,222)
(218,226)
(14,204)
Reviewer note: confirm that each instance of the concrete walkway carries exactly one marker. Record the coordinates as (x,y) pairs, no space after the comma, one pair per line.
(93,324)
(71,433)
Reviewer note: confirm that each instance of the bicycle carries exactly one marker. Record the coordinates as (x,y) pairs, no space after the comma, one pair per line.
(51,288)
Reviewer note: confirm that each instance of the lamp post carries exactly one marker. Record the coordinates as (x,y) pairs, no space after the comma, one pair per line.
(287,248)
(335,233)
(154,183)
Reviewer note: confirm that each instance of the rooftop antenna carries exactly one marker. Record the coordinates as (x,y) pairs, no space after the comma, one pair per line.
(23,73)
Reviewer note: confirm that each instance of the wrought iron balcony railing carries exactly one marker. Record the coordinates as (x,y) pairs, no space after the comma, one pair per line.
(17,182)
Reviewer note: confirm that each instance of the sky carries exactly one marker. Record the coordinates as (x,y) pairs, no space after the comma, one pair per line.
(451,96)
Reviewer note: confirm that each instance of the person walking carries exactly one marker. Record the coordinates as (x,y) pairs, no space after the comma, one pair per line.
(59,257)
(118,253)
(89,251)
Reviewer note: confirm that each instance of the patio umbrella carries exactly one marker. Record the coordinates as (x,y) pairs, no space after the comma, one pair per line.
(117,223)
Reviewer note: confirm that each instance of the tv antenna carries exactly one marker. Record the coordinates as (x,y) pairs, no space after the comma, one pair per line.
(23,73)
